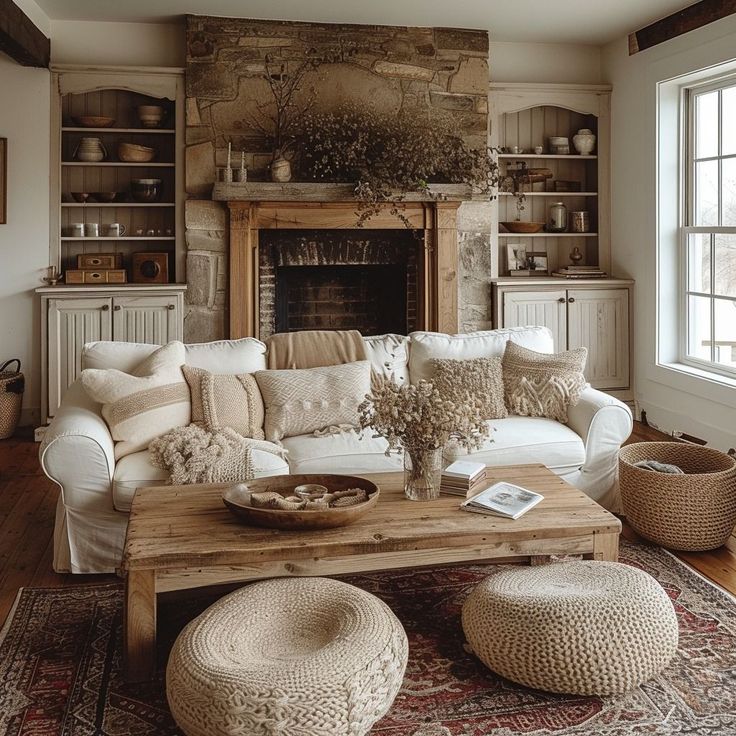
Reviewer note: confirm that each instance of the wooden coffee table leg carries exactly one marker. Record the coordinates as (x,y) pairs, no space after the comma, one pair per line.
(140,625)
(605,546)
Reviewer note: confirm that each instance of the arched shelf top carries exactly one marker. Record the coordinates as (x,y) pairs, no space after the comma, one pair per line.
(581,110)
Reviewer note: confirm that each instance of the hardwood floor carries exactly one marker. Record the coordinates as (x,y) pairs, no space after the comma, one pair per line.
(28,502)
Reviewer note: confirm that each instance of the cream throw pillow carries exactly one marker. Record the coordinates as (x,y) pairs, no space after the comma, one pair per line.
(480,378)
(226,400)
(300,401)
(543,384)
(140,407)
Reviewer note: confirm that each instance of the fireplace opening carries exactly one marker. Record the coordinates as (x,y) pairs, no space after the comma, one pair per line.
(338,279)
(371,299)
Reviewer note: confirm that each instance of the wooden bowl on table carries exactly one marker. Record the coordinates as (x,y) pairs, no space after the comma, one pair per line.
(300,520)
(515,226)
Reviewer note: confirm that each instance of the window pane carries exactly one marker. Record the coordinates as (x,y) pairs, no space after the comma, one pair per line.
(706,193)
(706,124)
(698,265)
(725,332)
(728,192)
(698,328)
(728,129)
(725,270)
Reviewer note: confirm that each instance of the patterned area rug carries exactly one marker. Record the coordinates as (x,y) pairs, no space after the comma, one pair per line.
(60,666)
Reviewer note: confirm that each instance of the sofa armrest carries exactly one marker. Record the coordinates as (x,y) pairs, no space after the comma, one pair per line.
(78,453)
(604,423)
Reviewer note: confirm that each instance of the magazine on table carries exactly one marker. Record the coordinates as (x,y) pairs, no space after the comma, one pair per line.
(503,499)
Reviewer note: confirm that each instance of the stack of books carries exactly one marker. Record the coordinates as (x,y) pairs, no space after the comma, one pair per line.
(463,477)
(580,272)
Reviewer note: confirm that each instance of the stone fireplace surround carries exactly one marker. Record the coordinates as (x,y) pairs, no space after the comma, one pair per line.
(258,207)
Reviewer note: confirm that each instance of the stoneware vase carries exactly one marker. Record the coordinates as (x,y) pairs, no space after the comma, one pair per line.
(280,170)
(584,141)
(422,474)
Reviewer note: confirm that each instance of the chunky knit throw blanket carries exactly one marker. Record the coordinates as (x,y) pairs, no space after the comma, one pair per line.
(194,455)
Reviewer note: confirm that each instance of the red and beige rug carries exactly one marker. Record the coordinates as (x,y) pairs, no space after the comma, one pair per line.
(60,666)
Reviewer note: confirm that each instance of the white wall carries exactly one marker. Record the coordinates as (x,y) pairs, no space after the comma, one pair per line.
(24,240)
(673,400)
(544,62)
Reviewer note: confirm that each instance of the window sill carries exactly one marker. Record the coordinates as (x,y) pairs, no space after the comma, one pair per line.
(699,382)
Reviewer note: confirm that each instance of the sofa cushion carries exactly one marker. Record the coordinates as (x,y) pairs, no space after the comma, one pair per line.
(223,356)
(303,400)
(477,379)
(527,440)
(141,406)
(135,471)
(350,452)
(425,346)
(388,356)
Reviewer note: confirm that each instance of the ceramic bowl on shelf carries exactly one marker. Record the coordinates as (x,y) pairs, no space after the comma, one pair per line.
(80,196)
(104,196)
(515,226)
(150,115)
(135,153)
(145,190)
(94,121)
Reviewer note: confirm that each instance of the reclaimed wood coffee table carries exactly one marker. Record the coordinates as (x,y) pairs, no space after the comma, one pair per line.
(183,537)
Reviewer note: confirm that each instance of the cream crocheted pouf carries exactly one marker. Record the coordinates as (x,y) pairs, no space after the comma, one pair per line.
(292,656)
(591,628)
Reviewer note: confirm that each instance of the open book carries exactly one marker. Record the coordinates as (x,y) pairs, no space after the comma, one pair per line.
(503,499)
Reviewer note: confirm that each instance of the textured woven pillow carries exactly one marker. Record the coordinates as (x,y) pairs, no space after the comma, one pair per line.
(542,384)
(142,406)
(481,378)
(226,400)
(300,401)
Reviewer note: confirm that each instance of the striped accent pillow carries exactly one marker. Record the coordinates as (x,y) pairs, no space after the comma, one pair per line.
(140,407)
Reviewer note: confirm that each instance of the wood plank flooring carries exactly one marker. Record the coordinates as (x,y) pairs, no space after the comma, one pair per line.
(28,502)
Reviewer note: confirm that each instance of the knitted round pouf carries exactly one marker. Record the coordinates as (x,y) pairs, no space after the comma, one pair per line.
(297,656)
(589,628)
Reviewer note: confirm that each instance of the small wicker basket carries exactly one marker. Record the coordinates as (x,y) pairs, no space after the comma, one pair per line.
(12,385)
(691,512)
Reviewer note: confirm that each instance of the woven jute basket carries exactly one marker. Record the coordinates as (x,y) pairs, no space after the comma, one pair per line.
(12,385)
(691,512)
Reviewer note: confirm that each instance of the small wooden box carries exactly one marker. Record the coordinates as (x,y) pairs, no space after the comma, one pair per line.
(149,268)
(92,276)
(98,261)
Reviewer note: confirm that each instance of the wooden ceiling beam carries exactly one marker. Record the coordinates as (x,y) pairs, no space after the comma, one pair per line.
(20,39)
(684,21)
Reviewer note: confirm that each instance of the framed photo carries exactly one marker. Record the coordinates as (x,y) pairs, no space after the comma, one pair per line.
(3,181)
(516,256)
(537,262)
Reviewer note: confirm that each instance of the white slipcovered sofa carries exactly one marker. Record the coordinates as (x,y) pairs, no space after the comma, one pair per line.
(96,491)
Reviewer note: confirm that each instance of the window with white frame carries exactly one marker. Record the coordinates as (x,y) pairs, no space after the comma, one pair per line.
(709,227)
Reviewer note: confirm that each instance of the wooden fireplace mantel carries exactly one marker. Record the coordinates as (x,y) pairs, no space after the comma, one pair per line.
(438,287)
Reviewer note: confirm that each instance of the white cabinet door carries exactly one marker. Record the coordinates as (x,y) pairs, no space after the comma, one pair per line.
(538,308)
(72,323)
(152,319)
(598,319)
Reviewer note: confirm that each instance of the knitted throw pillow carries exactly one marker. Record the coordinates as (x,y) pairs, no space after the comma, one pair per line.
(142,406)
(542,384)
(481,378)
(302,400)
(231,400)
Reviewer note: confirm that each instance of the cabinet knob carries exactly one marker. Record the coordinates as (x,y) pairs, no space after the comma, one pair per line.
(116,308)
(105,307)
(172,306)
(571,300)
(561,300)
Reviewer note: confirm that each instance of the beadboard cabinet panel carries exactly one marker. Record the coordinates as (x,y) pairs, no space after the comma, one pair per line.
(71,324)
(599,321)
(546,308)
(150,319)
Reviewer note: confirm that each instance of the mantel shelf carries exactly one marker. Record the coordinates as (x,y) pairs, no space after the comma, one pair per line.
(328,192)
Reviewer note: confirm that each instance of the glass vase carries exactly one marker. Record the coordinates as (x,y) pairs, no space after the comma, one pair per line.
(422,474)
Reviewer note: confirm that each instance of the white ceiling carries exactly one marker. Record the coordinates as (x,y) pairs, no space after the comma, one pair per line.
(552,21)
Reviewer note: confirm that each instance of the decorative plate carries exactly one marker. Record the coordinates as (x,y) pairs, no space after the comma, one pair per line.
(300,520)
